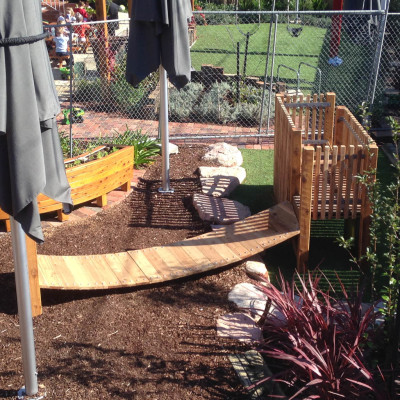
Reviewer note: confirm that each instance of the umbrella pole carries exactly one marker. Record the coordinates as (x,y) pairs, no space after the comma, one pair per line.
(24,307)
(163,123)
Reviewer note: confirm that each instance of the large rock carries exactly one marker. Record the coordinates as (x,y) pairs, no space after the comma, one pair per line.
(211,172)
(219,186)
(219,210)
(173,148)
(257,270)
(248,297)
(238,326)
(224,154)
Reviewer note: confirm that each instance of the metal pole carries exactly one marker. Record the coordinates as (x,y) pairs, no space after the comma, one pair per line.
(272,70)
(378,54)
(163,123)
(266,75)
(71,72)
(24,307)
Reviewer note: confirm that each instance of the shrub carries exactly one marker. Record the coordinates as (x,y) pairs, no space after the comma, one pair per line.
(319,339)
(145,148)
(181,102)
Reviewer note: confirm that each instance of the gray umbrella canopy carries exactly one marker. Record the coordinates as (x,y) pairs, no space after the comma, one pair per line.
(159,35)
(31,161)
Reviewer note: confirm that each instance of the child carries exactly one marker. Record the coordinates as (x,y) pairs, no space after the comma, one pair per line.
(81,10)
(61,42)
(80,30)
(70,15)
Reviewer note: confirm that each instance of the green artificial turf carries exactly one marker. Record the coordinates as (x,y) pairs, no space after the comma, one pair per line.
(217,45)
(257,189)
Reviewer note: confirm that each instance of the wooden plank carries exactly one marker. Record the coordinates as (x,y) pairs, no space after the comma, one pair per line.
(341,173)
(301,111)
(320,117)
(333,177)
(34,287)
(329,118)
(307,120)
(305,209)
(49,276)
(356,183)
(324,182)
(316,179)
(349,177)
(314,118)
(98,267)
(339,126)
(125,269)
(145,265)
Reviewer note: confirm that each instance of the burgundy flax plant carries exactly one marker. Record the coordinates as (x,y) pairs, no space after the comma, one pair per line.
(319,339)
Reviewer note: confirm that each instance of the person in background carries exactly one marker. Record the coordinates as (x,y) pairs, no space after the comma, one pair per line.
(81,9)
(80,30)
(70,15)
(112,12)
(61,42)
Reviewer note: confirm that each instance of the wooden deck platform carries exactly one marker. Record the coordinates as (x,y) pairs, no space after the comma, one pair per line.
(158,264)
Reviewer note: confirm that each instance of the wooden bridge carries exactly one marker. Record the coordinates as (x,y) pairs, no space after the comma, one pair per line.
(203,253)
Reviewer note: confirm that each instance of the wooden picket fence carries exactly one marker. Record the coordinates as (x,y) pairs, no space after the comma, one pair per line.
(320,151)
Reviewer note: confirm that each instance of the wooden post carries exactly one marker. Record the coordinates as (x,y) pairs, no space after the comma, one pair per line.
(101,15)
(305,209)
(339,125)
(329,118)
(36,301)
(295,162)
(130,8)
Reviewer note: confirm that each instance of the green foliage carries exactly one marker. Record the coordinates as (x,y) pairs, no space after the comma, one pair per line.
(214,105)
(181,102)
(145,148)
(87,90)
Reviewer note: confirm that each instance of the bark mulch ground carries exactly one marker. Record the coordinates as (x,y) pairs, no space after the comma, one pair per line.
(155,342)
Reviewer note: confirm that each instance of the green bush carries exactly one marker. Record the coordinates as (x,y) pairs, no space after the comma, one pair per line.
(145,148)
(87,90)
(181,102)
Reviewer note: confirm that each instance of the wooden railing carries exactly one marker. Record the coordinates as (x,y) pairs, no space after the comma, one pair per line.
(320,153)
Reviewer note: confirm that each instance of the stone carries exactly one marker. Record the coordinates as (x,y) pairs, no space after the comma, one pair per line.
(257,270)
(239,326)
(173,148)
(218,210)
(219,186)
(224,154)
(248,297)
(210,172)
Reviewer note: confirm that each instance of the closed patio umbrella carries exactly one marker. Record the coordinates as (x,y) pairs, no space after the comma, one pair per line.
(31,160)
(159,38)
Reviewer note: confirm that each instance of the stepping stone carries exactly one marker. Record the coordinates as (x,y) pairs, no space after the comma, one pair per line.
(218,210)
(257,270)
(239,326)
(210,172)
(173,148)
(248,297)
(219,186)
(251,368)
(224,154)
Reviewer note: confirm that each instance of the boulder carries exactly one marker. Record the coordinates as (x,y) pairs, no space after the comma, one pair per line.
(173,148)
(257,270)
(248,297)
(224,154)
(211,172)
(219,186)
(219,210)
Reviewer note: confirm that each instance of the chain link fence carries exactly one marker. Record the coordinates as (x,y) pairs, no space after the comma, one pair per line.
(239,61)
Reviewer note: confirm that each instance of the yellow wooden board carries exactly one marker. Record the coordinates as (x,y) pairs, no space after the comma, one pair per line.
(163,263)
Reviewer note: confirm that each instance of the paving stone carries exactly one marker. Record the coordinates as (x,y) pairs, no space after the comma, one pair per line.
(248,297)
(251,368)
(257,270)
(224,154)
(219,210)
(239,326)
(209,172)
(219,186)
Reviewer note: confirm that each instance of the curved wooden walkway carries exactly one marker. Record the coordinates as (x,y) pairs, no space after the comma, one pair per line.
(158,264)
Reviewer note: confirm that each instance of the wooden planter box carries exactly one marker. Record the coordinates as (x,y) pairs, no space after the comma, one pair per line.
(91,181)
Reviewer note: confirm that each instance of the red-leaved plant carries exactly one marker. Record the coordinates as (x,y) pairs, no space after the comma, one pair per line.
(319,339)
